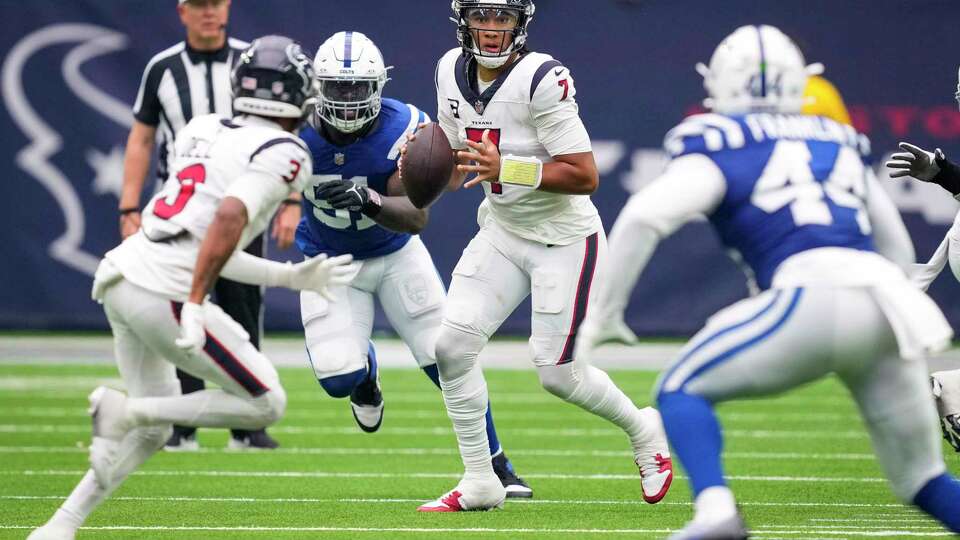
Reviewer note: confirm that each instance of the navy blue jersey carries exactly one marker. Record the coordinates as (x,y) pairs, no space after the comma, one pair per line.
(370,162)
(793,183)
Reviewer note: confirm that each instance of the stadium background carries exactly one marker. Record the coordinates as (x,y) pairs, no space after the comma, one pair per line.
(70,71)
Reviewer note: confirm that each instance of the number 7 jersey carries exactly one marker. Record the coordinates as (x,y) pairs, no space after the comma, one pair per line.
(530,111)
(248,158)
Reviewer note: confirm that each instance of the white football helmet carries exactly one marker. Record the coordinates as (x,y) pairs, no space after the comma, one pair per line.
(756,69)
(351,75)
(957,95)
(464,10)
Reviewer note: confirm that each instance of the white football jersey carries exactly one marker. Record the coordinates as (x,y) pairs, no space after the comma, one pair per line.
(530,111)
(249,158)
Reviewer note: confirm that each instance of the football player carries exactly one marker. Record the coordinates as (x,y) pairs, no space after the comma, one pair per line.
(935,168)
(511,114)
(355,203)
(228,178)
(792,195)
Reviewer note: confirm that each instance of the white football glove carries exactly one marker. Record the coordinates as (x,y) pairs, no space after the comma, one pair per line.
(320,272)
(915,162)
(593,333)
(946,390)
(192,334)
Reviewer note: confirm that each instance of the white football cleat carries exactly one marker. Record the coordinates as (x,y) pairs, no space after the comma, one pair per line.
(469,496)
(653,460)
(53,531)
(110,424)
(732,528)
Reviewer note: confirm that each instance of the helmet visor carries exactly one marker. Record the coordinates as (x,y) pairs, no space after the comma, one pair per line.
(491,30)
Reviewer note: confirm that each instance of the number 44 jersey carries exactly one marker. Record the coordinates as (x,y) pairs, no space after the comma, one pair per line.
(248,158)
(790,183)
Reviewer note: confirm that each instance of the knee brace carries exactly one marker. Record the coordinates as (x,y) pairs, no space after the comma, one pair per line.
(340,386)
(457,351)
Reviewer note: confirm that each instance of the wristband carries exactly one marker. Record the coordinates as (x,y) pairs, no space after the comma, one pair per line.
(125,211)
(521,171)
(373,205)
(948,177)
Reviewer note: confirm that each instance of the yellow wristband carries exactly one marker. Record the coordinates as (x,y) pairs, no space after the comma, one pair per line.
(521,171)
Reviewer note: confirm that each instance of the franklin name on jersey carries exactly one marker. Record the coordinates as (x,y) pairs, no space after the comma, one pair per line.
(370,161)
(792,183)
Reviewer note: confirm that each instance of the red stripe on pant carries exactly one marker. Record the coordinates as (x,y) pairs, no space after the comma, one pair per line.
(582,298)
(227,361)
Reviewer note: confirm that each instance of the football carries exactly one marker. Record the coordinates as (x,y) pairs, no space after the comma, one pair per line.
(425,168)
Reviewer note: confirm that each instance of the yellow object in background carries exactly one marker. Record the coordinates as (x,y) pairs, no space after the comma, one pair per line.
(823,99)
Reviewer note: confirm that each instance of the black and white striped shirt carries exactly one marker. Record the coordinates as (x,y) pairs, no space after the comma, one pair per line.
(180,83)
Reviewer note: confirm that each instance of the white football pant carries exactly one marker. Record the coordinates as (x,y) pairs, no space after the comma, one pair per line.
(411,293)
(784,338)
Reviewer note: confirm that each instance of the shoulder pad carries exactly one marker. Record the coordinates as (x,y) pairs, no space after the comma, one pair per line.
(703,134)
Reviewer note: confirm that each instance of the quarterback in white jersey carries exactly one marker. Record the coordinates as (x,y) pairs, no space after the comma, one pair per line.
(792,195)
(511,115)
(228,178)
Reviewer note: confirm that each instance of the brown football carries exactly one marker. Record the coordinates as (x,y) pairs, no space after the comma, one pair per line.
(426,167)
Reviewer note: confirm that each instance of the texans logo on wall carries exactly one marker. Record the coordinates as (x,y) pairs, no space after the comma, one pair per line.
(70,72)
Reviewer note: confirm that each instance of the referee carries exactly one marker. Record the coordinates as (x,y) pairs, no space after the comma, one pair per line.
(189,79)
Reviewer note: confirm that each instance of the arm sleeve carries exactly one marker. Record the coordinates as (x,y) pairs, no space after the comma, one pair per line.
(445,114)
(147,108)
(253,270)
(556,114)
(279,167)
(889,233)
(949,176)
(691,186)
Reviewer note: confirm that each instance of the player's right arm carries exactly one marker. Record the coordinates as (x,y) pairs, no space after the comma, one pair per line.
(140,144)
(136,164)
(692,185)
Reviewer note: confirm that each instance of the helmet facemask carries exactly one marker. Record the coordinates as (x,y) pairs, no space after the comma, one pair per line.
(508,21)
(349,105)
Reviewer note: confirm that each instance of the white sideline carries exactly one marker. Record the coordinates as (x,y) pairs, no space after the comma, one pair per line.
(762,529)
(454,475)
(448,431)
(619,454)
(312,500)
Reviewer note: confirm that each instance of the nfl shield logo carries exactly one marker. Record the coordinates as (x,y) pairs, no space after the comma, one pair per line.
(479,107)
(339,158)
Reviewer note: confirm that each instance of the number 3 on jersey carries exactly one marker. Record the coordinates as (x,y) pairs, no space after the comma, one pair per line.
(476,135)
(189,177)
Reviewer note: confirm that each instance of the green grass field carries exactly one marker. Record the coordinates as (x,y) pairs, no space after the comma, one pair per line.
(801,466)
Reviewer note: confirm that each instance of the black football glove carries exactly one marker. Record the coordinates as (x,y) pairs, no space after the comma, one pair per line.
(346,194)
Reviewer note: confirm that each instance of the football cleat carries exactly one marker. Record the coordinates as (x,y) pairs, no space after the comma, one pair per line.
(732,528)
(515,486)
(182,441)
(53,531)
(110,424)
(653,460)
(366,400)
(469,496)
(252,440)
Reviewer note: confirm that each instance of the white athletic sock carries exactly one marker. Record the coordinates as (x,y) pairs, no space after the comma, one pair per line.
(596,393)
(714,504)
(135,448)
(466,399)
(206,408)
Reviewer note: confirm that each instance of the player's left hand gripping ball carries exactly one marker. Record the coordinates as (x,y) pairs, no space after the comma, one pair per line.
(484,160)
(192,335)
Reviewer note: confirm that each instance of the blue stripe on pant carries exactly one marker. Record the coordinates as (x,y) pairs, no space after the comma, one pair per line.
(689,420)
